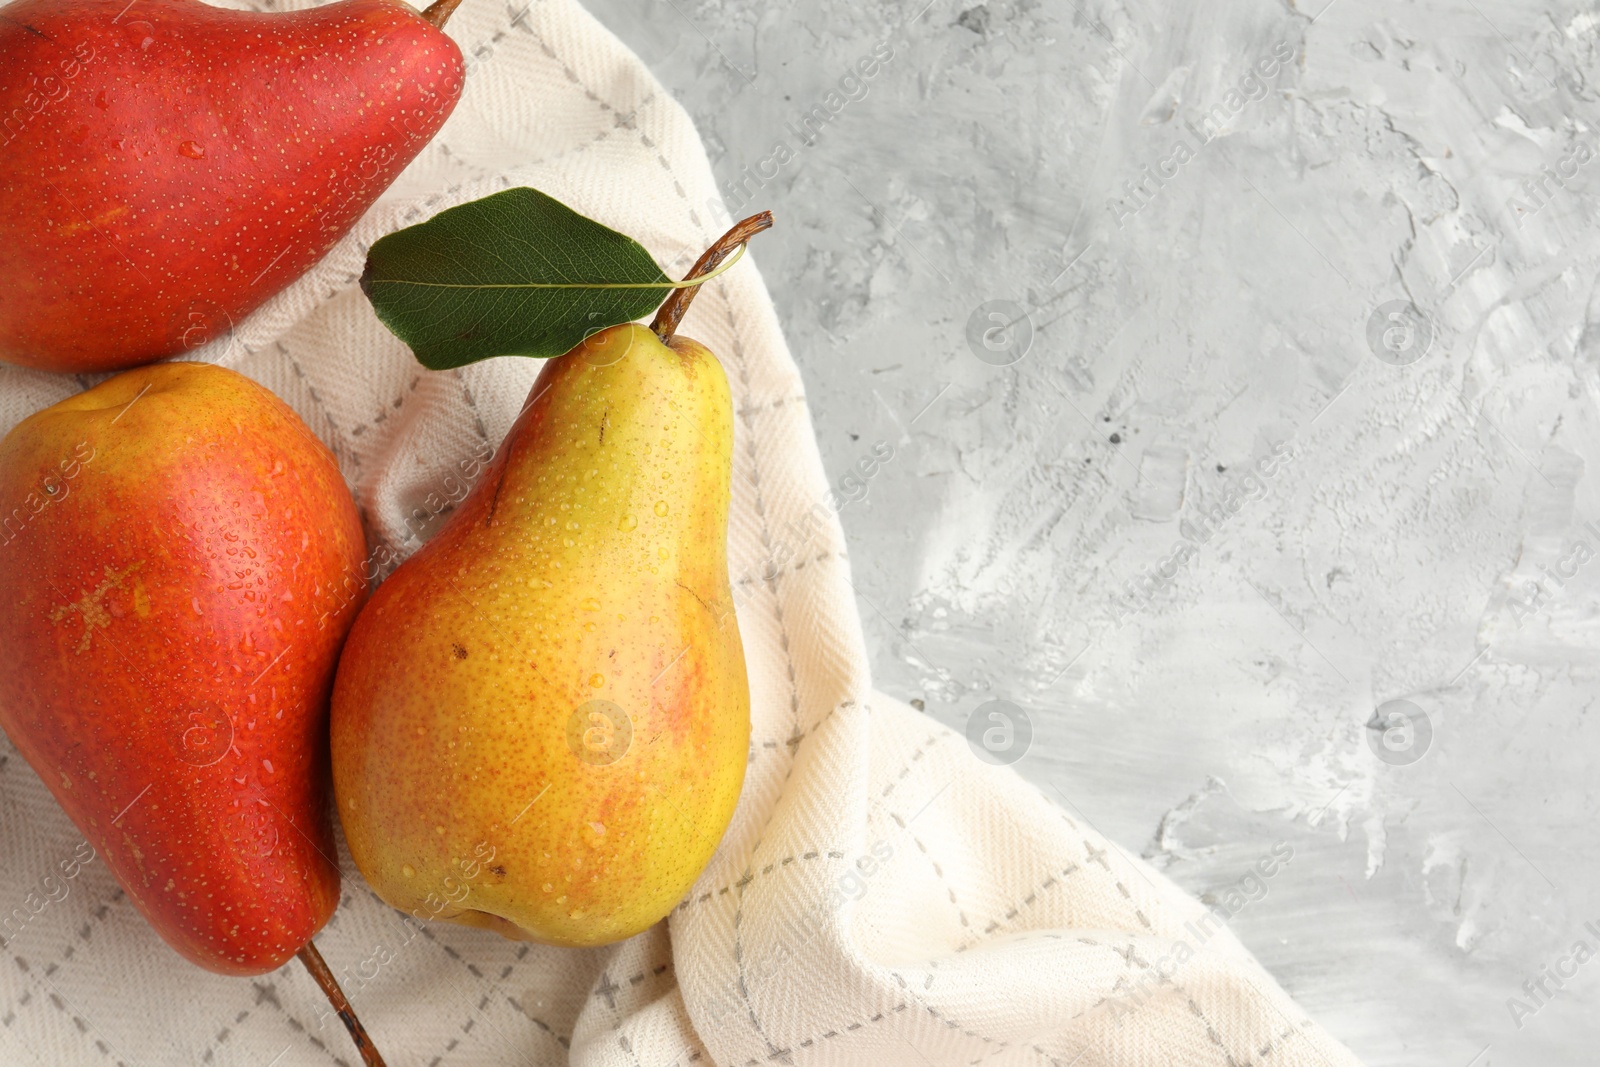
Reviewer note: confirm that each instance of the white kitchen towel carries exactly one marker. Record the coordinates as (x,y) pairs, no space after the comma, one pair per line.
(882,897)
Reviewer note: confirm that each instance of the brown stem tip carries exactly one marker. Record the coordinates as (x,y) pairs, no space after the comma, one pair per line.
(347,1015)
(440,11)
(671,311)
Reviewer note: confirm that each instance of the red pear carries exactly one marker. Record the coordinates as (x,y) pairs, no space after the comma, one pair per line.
(166,166)
(180,560)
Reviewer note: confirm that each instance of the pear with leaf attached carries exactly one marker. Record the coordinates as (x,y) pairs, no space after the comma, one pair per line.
(541,721)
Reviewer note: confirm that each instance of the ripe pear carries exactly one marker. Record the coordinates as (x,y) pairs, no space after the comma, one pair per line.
(180,560)
(166,166)
(541,720)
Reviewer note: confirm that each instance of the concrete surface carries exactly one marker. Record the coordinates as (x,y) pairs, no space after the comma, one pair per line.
(1072,519)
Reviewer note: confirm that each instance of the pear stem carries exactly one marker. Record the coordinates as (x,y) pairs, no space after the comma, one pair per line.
(439,12)
(671,311)
(347,1015)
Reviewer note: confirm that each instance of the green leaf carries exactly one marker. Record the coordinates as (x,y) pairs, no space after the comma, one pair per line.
(514,274)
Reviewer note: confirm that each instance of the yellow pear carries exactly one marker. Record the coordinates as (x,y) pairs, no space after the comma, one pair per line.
(541,720)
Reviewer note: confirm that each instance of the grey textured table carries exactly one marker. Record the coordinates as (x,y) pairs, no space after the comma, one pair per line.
(1375,257)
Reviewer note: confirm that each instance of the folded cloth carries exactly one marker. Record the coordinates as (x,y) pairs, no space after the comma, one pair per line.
(882,896)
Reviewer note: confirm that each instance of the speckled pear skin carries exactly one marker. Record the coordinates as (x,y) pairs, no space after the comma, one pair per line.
(474,780)
(179,561)
(166,166)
